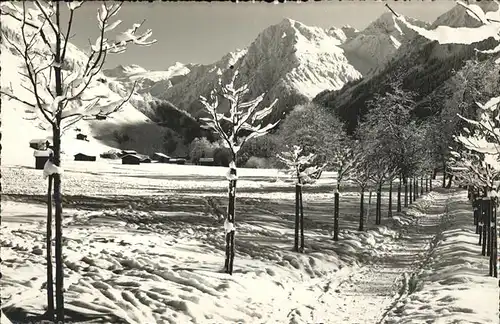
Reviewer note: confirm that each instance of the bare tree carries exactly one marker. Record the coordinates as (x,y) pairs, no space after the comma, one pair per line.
(343,159)
(244,122)
(59,93)
(303,170)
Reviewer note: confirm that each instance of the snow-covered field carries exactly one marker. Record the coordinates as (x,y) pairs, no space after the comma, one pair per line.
(142,245)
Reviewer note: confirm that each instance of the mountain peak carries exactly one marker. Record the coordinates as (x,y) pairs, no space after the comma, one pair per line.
(459,17)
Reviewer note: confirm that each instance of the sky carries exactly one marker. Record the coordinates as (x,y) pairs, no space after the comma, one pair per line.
(203,32)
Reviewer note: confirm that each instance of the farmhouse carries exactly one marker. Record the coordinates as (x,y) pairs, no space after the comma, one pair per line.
(131,159)
(206,161)
(82,137)
(160,157)
(41,157)
(84,157)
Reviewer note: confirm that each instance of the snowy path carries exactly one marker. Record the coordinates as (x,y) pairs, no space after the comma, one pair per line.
(365,295)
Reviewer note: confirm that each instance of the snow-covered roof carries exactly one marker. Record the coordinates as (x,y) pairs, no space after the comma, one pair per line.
(162,155)
(86,154)
(132,155)
(129,152)
(39,140)
(42,153)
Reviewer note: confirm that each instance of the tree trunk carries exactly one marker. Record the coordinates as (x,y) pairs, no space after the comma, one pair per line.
(430,183)
(415,189)
(450,179)
(368,210)
(444,174)
(50,278)
(336,216)
(484,228)
(434,173)
(231,219)
(398,207)
(56,132)
(411,191)
(489,239)
(406,194)
(480,219)
(58,233)
(389,213)
(426,184)
(301,221)
(494,252)
(421,186)
(361,211)
(378,217)
(297,218)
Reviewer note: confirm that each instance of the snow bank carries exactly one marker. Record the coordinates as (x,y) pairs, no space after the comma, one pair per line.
(453,287)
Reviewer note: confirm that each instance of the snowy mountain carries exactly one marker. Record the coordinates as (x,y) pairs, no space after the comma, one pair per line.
(289,61)
(370,50)
(129,128)
(425,66)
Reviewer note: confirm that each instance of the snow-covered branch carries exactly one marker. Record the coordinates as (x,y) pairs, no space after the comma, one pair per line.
(301,167)
(243,115)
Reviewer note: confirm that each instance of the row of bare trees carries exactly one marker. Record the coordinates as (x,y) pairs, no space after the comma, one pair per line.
(472,153)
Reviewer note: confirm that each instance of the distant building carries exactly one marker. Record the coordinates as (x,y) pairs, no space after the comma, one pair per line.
(126,152)
(40,144)
(144,158)
(82,137)
(206,161)
(41,157)
(131,159)
(160,157)
(177,161)
(84,157)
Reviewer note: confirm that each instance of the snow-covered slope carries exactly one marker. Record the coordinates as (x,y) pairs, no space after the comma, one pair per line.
(289,61)
(144,135)
(370,50)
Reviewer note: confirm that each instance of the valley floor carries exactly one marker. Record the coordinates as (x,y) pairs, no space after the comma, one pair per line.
(157,259)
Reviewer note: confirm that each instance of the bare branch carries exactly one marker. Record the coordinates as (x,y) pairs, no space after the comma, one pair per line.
(16,98)
(66,38)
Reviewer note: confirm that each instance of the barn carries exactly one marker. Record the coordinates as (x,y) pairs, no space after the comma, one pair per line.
(206,161)
(41,157)
(131,159)
(160,157)
(84,157)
